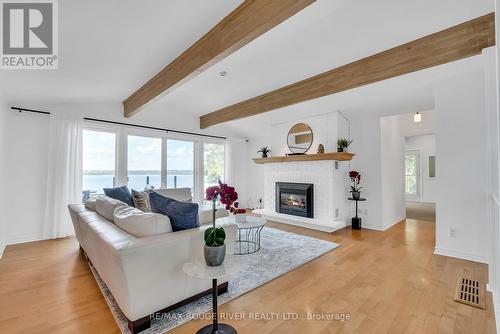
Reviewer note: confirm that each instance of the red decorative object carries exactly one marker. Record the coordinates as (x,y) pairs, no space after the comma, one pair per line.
(227,196)
(355,179)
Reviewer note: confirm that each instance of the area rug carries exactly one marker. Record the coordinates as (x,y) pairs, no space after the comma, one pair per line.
(281,252)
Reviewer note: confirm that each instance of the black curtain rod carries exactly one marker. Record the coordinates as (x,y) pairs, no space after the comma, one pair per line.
(125,124)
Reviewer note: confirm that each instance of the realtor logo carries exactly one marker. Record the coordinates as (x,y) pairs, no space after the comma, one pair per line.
(29,34)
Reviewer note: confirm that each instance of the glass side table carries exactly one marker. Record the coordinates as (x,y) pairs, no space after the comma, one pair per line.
(200,270)
(248,235)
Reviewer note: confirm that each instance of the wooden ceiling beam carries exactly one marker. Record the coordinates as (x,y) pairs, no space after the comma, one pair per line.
(247,22)
(458,42)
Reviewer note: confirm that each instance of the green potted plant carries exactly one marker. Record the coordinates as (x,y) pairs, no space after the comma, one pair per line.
(343,144)
(355,188)
(264,151)
(215,248)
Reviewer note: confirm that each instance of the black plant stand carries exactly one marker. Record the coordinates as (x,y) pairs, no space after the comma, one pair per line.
(216,327)
(356,221)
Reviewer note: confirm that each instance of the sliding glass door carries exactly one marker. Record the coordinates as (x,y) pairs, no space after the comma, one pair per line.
(99,151)
(213,164)
(144,161)
(117,156)
(180,164)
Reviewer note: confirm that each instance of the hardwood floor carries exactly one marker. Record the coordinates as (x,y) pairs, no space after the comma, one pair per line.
(388,282)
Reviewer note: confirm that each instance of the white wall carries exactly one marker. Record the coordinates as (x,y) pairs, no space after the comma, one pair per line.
(392,146)
(426,145)
(365,132)
(461,166)
(26,172)
(25,166)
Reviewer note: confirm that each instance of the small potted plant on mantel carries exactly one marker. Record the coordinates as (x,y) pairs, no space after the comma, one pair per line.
(264,151)
(355,188)
(215,248)
(343,144)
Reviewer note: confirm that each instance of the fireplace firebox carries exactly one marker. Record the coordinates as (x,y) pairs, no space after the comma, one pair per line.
(295,199)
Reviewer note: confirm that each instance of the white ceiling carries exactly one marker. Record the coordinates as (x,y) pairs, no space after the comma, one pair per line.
(110,48)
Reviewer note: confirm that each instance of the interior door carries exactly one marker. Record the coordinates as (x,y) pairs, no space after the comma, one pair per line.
(412,174)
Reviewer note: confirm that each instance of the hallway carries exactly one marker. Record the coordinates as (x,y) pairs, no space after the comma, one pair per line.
(421,211)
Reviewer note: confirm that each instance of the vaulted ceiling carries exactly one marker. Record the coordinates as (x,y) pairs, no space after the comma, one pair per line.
(109,49)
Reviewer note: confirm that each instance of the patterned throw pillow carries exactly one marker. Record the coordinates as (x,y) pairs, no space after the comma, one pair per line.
(141,200)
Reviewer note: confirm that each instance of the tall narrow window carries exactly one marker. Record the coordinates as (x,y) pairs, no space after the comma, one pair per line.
(98,161)
(213,155)
(412,170)
(180,164)
(144,162)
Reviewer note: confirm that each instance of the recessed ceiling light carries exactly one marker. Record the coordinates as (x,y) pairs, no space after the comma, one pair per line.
(417,118)
(223,73)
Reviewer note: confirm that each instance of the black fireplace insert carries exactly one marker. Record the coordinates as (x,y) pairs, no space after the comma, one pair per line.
(295,199)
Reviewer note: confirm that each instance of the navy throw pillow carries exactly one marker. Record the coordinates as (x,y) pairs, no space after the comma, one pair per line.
(183,216)
(121,194)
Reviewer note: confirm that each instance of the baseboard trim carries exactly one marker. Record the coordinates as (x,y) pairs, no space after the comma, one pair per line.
(396,221)
(461,255)
(2,248)
(372,227)
(25,238)
(381,228)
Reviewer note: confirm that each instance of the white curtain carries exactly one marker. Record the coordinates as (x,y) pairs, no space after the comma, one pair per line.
(235,167)
(64,179)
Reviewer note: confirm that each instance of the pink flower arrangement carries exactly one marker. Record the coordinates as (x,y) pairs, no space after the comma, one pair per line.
(355,179)
(227,196)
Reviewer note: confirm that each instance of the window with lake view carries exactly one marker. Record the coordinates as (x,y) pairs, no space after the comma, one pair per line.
(99,150)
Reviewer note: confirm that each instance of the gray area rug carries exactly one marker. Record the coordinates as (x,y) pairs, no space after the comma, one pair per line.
(280,253)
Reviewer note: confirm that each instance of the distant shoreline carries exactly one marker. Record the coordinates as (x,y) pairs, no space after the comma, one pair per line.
(138,172)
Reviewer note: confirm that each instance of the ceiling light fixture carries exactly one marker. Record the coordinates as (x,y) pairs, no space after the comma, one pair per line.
(417,118)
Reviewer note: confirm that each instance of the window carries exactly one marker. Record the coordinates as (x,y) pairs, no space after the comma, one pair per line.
(99,150)
(144,162)
(213,164)
(180,164)
(412,172)
(116,156)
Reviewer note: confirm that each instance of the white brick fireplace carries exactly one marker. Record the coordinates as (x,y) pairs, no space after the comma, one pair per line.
(330,192)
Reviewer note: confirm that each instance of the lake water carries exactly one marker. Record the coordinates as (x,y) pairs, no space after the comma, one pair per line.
(138,182)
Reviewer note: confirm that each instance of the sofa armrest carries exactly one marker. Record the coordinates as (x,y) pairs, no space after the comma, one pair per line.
(153,268)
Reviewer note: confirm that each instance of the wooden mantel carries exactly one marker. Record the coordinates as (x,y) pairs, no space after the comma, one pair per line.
(341,156)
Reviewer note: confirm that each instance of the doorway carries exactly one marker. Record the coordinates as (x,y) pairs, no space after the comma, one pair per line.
(420,177)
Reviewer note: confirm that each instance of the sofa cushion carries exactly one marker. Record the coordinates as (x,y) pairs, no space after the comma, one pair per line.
(205,213)
(141,224)
(179,194)
(105,206)
(183,216)
(121,194)
(141,200)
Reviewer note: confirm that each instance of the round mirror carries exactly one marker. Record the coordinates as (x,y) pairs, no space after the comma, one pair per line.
(300,138)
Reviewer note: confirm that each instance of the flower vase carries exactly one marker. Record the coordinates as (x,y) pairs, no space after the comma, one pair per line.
(237,218)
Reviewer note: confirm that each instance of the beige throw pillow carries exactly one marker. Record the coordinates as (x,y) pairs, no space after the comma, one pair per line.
(141,224)
(105,206)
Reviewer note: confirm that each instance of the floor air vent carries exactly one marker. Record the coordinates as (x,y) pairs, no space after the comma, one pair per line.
(470,292)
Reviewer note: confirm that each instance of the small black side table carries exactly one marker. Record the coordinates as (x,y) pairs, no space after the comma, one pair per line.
(356,221)
(201,270)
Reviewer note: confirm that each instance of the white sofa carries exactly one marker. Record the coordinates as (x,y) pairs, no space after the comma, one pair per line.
(144,275)
(184,195)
